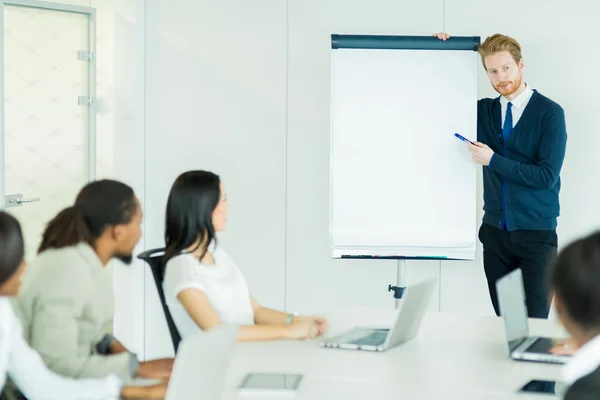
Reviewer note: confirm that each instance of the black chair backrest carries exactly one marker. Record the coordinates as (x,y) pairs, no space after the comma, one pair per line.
(154,258)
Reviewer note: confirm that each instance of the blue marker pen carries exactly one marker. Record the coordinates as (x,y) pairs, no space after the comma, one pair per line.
(464,139)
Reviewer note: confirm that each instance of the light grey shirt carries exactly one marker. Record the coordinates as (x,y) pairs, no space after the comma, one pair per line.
(29,373)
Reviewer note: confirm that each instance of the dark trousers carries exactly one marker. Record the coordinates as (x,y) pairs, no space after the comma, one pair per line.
(532,251)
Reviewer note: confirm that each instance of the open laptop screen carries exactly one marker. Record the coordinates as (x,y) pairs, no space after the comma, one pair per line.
(511,298)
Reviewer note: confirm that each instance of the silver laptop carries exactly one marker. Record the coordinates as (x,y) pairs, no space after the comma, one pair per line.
(521,346)
(201,365)
(408,319)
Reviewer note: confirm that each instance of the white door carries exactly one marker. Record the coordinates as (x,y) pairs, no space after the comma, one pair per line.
(48,121)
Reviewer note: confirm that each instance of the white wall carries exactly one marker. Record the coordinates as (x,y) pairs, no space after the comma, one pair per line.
(216,100)
(243,89)
(315,282)
(129,162)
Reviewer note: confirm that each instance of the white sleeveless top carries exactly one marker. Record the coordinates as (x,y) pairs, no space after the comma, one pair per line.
(223,284)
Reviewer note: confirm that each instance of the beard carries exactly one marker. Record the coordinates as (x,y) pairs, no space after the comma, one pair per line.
(126,259)
(512,86)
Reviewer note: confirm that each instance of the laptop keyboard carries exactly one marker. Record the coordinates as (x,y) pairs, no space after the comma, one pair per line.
(373,339)
(541,345)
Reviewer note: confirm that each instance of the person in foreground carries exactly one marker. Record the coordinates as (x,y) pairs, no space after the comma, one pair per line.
(576,284)
(21,363)
(66,303)
(203,286)
(521,145)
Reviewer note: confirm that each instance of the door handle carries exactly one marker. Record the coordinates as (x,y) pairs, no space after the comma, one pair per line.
(21,201)
(17,200)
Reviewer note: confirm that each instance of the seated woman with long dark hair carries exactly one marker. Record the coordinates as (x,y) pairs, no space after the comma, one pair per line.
(203,286)
(21,363)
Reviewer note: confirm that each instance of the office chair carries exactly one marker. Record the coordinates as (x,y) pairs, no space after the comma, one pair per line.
(154,258)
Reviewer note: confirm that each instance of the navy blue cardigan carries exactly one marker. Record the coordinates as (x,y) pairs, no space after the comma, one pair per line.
(522,182)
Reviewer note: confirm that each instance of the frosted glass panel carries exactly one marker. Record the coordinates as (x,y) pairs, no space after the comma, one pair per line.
(46,131)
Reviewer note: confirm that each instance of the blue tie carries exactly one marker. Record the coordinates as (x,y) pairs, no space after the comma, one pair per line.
(508,123)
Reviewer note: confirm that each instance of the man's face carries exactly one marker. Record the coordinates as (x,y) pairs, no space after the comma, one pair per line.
(127,236)
(504,73)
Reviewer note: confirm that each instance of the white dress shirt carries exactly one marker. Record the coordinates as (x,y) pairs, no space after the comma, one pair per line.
(518,105)
(585,361)
(29,373)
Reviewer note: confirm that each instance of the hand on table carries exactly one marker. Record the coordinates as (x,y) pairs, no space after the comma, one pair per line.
(564,347)
(320,322)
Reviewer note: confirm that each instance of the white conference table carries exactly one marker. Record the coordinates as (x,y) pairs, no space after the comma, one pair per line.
(453,357)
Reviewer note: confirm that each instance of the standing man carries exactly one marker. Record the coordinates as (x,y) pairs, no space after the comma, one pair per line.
(521,143)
